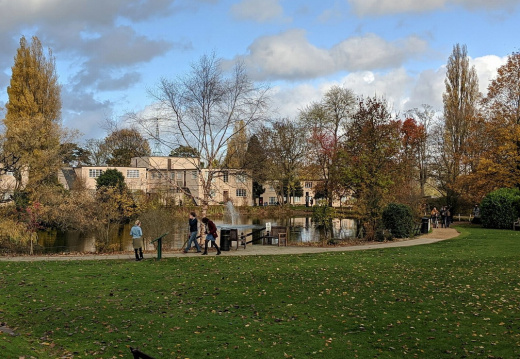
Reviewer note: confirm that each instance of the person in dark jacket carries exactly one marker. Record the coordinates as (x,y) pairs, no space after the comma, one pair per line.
(211,235)
(194,229)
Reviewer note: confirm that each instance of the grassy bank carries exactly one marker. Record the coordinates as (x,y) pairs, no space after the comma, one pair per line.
(455,299)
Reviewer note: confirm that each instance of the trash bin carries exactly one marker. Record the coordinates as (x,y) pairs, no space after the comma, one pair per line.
(225,242)
(425,225)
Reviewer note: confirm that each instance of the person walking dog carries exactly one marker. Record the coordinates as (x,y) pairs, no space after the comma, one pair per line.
(211,235)
(137,235)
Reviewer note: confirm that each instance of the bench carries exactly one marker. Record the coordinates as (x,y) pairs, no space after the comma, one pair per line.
(516,225)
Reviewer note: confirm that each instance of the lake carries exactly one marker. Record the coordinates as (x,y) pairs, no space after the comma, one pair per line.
(301,230)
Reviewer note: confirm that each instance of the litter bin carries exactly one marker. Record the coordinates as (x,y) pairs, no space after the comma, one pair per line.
(425,225)
(225,241)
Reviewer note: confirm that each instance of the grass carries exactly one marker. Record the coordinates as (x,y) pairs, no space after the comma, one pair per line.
(454,299)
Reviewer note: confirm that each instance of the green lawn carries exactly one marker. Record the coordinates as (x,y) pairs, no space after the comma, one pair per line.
(455,299)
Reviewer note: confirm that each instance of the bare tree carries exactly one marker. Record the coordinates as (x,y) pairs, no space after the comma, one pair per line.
(326,122)
(204,109)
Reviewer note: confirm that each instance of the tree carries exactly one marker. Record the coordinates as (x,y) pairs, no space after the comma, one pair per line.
(326,121)
(460,110)
(206,108)
(236,147)
(256,162)
(111,178)
(122,145)
(496,139)
(423,118)
(185,151)
(98,152)
(287,145)
(73,155)
(370,159)
(32,121)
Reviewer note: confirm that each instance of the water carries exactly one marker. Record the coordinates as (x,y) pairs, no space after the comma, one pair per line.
(301,230)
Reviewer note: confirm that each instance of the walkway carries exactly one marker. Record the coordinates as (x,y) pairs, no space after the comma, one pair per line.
(436,235)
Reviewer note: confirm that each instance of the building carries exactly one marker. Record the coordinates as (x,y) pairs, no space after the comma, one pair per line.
(173,179)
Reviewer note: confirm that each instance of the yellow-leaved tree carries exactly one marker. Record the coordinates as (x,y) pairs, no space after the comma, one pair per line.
(33,116)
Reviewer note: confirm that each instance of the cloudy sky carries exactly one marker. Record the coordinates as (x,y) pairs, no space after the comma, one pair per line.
(109,53)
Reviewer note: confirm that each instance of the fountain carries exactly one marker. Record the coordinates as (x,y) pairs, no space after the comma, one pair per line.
(232,212)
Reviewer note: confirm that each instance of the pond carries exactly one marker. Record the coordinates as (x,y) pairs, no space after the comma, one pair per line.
(301,230)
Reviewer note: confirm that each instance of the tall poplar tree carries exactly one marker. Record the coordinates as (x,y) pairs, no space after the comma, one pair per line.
(33,117)
(460,110)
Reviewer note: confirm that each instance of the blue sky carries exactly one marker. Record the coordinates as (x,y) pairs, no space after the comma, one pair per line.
(109,53)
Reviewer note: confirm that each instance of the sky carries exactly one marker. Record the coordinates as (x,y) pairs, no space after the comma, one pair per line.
(111,53)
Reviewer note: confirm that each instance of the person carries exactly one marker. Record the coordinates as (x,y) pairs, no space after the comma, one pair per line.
(435,217)
(443,217)
(194,229)
(137,235)
(448,217)
(211,235)
(476,214)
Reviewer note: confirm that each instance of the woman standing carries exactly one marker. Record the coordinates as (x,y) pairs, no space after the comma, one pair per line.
(137,235)
(211,235)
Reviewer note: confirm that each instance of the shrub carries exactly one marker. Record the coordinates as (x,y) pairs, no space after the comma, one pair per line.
(500,208)
(398,218)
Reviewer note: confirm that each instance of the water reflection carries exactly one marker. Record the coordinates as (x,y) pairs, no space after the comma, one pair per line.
(301,230)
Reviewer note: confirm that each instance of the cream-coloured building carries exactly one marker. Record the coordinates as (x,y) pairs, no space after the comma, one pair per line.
(174,179)
(271,197)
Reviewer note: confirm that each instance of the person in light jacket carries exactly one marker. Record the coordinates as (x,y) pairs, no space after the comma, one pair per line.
(137,235)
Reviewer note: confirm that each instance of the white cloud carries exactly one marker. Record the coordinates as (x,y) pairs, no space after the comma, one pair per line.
(257,10)
(384,7)
(402,90)
(290,56)
(486,67)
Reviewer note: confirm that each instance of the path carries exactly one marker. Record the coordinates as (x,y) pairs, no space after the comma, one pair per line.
(438,234)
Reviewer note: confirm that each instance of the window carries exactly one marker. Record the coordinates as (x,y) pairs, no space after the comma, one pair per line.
(132,173)
(297,199)
(308,184)
(241,192)
(194,175)
(225,176)
(272,200)
(156,174)
(241,178)
(94,173)
(179,175)
(9,173)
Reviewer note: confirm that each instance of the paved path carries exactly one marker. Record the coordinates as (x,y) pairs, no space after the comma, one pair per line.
(436,235)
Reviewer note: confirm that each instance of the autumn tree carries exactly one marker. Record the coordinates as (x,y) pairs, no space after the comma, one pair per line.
(205,109)
(33,116)
(121,145)
(326,122)
(460,100)
(499,142)
(236,147)
(370,159)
